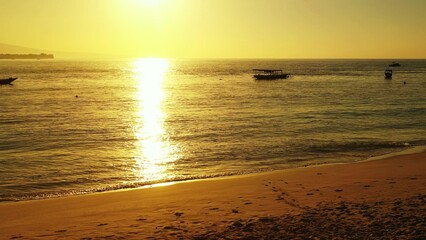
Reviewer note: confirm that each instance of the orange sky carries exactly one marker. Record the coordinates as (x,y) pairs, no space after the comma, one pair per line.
(220,28)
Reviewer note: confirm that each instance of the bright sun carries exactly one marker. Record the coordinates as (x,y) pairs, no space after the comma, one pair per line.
(151,3)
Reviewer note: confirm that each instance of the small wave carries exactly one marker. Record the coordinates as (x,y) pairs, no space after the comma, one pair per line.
(108,188)
(359,146)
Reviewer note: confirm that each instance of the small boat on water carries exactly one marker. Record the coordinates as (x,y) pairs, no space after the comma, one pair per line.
(7,80)
(269,74)
(394,64)
(388,74)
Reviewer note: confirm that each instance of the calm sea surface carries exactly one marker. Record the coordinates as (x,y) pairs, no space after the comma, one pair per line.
(73,127)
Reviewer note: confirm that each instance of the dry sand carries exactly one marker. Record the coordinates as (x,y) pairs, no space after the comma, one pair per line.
(380,199)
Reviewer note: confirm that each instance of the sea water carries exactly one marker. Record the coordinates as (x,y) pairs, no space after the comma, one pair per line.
(74,127)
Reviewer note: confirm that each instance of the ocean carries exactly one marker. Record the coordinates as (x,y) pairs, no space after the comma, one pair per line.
(74,127)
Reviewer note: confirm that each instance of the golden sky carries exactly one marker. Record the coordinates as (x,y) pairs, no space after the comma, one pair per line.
(220,28)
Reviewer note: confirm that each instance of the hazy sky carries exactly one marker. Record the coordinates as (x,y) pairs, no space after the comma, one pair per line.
(220,28)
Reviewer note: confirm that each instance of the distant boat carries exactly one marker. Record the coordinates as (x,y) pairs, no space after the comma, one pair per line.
(388,74)
(394,64)
(269,74)
(7,80)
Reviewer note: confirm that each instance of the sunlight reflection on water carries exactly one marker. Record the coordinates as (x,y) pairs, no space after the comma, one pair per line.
(154,153)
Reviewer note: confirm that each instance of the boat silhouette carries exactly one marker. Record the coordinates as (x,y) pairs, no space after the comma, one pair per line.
(269,74)
(7,80)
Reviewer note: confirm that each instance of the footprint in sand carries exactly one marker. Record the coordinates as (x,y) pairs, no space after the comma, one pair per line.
(178,214)
(16,237)
(279,197)
(107,236)
(170,227)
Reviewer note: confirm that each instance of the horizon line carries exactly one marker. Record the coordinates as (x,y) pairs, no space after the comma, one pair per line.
(226,58)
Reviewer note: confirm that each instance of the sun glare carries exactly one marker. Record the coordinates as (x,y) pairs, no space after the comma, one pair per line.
(154,153)
(150,3)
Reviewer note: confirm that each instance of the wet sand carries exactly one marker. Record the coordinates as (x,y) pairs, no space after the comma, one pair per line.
(378,199)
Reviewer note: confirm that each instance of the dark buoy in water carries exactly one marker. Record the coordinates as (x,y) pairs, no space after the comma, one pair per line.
(76,96)
(405,83)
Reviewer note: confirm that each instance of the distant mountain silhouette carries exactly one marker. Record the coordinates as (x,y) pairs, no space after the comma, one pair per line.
(13,49)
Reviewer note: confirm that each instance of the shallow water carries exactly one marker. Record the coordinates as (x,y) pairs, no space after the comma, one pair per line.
(72,127)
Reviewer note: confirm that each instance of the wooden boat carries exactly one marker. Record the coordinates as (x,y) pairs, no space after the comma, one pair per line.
(388,74)
(395,64)
(7,80)
(269,74)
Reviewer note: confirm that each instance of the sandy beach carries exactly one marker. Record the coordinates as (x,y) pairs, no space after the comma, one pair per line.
(382,198)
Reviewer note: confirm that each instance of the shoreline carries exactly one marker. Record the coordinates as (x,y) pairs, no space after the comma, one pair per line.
(396,152)
(361,193)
